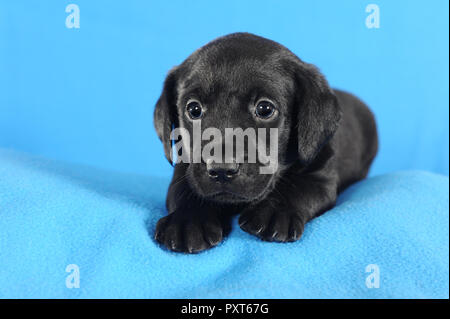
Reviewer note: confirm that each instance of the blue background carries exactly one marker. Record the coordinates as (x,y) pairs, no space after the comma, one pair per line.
(87,95)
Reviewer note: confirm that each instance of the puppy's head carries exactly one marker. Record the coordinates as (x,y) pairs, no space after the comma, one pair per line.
(252,84)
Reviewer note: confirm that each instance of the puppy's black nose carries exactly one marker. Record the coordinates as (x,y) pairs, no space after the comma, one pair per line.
(222,172)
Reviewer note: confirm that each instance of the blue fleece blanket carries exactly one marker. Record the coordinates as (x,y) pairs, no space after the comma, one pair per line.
(53,215)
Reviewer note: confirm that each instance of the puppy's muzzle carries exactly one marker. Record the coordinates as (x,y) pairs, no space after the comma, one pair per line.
(222,172)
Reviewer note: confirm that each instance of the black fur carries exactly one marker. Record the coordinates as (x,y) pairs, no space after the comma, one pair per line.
(327,141)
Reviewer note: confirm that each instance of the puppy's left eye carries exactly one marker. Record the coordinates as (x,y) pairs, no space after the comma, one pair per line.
(194,109)
(264,109)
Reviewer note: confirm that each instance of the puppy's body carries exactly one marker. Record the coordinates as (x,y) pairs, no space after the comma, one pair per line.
(355,142)
(328,140)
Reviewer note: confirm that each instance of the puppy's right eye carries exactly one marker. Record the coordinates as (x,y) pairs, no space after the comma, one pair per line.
(264,109)
(194,110)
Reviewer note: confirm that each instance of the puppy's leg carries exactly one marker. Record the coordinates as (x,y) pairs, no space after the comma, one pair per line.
(189,230)
(192,224)
(282,215)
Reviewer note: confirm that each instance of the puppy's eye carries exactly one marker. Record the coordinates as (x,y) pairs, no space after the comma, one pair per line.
(194,109)
(264,109)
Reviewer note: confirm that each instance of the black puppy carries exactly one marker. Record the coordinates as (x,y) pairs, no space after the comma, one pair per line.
(327,140)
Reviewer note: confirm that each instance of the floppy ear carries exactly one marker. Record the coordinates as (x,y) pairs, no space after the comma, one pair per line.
(165,116)
(318,111)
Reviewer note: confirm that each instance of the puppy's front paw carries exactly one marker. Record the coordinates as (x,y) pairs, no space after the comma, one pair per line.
(189,234)
(271,225)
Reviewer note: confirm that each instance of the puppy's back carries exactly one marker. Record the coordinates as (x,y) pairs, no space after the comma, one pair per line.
(356,137)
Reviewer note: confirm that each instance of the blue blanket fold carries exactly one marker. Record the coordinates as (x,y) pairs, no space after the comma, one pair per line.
(53,215)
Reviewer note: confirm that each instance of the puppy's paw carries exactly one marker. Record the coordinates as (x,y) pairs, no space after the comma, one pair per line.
(188,234)
(271,225)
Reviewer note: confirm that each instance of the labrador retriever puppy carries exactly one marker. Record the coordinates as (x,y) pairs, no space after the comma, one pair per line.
(327,140)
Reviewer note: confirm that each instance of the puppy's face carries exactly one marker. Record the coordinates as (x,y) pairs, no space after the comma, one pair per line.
(227,91)
(250,84)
